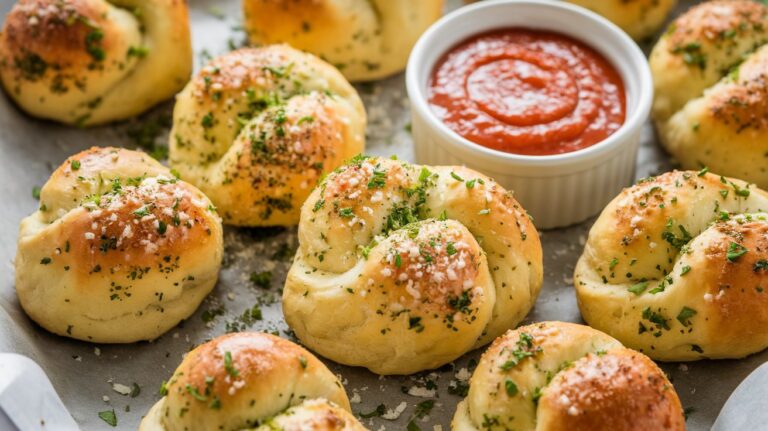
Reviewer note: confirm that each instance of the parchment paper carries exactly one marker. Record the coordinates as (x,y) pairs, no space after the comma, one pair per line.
(83,373)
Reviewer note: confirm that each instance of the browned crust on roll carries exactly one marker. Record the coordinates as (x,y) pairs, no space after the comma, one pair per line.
(704,23)
(618,390)
(58,33)
(256,358)
(736,287)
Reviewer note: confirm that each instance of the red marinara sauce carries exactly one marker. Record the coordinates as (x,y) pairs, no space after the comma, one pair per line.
(527,91)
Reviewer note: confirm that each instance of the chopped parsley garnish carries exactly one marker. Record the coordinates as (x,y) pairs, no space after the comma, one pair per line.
(613,264)
(162,227)
(656,318)
(415,323)
(450,249)
(524,350)
(461,303)
(761,265)
(638,288)
(456,176)
(677,242)
(346,212)
(92,44)
(75,165)
(735,251)
(195,393)
(319,204)
(109,417)
(142,212)
(231,370)
(422,409)
(684,317)
(378,180)
(692,55)
(685,270)
(207,121)
(137,51)
(215,403)
(536,395)
(511,388)
(262,279)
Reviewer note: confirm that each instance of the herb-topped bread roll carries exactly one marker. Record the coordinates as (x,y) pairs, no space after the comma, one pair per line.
(119,251)
(556,376)
(88,62)
(639,18)
(677,267)
(251,380)
(403,268)
(709,72)
(257,128)
(366,40)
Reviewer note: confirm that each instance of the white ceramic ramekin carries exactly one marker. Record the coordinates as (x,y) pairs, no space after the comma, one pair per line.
(557,190)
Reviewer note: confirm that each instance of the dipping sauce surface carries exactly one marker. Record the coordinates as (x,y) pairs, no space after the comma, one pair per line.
(528,92)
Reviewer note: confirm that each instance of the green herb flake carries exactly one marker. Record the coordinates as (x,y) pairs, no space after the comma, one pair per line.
(638,288)
(109,417)
(195,393)
(511,388)
(231,370)
(735,251)
(684,317)
(378,180)
(262,279)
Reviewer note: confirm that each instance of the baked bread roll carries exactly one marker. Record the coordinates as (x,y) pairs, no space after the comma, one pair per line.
(251,380)
(366,40)
(257,128)
(676,267)
(639,18)
(88,62)
(402,268)
(119,251)
(711,100)
(554,376)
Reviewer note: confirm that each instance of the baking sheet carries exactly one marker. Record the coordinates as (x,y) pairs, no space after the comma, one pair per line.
(84,374)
